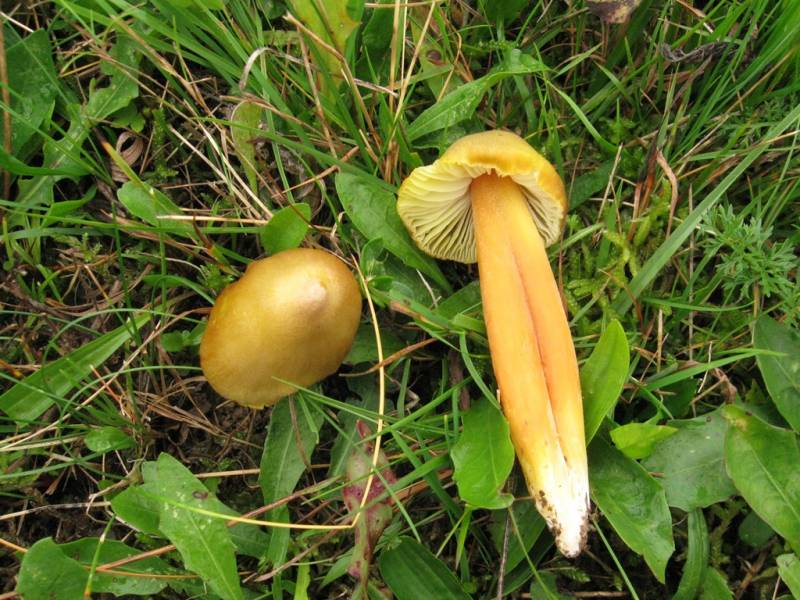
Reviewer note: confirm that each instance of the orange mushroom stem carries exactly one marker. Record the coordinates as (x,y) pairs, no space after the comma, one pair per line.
(493,199)
(533,357)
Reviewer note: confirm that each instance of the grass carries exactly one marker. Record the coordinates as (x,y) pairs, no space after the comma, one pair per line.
(152,143)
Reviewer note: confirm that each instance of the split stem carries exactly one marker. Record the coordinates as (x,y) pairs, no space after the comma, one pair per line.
(533,357)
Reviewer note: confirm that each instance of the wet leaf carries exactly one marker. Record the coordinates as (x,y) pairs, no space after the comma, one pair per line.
(483,457)
(762,462)
(781,372)
(634,504)
(690,464)
(137,507)
(412,572)
(204,542)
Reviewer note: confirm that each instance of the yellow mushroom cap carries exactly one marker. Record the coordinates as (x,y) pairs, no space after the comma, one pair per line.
(434,201)
(291,318)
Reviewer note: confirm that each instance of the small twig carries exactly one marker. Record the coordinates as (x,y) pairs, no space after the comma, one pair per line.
(295,559)
(394,357)
(12,546)
(35,509)
(752,572)
(503,557)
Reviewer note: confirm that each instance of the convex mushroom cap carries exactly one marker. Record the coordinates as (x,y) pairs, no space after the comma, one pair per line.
(287,323)
(434,201)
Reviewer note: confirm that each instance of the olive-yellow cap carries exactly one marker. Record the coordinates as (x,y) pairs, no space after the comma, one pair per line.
(287,323)
(434,201)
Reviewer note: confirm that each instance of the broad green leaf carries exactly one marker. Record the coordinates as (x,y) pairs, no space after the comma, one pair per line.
(460,104)
(47,573)
(781,373)
(84,551)
(30,397)
(483,457)
(138,509)
(204,542)
(789,570)
(694,569)
(145,202)
(637,440)
(245,121)
(715,587)
(412,572)
(287,228)
(690,464)
(33,85)
(634,504)
(123,87)
(287,450)
(603,375)
(372,210)
(762,461)
(669,248)
(107,439)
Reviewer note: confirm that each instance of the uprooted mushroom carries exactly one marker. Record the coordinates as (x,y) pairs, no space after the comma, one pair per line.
(493,199)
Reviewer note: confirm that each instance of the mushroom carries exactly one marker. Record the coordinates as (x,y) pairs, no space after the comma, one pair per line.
(493,199)
(287,323)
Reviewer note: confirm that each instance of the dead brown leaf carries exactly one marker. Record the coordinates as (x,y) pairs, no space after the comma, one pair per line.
(612,11)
